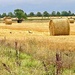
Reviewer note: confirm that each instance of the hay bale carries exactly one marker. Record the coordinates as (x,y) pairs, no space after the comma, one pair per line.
(7,20)
(71,20)
(59,27)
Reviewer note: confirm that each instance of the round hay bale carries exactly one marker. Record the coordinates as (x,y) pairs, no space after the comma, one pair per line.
(7,20)
(71,20)
(59,27)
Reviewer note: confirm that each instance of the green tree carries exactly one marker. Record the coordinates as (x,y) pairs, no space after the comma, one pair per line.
(20,14)
(39,14)
(31,14)
(69,12)
(64,13)
(58,13)
(4,15)
(0,16)
(45,14)
(26,14)
(10,14)
(53,13)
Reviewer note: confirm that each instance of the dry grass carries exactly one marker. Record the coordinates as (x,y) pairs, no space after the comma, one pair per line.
(40,32)
(35,39)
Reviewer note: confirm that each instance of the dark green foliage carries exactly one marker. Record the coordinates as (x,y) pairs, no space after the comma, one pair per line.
(31,14)
(20,14)
(38,14)
(45,14)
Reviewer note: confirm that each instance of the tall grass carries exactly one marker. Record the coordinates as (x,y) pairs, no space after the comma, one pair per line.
(43,50)
(25,65)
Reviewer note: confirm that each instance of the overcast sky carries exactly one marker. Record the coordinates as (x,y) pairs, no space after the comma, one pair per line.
(37,5)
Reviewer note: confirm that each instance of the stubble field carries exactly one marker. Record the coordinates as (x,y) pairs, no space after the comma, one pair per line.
(40,32)
(33,38)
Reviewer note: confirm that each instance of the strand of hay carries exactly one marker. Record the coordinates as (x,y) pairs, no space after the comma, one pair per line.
(7,20)
(71,20)
(59,27)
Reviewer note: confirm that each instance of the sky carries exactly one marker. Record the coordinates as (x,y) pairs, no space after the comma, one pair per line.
(37,5)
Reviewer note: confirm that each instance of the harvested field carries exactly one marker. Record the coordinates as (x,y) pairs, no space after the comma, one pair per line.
(40,32)
(34,39)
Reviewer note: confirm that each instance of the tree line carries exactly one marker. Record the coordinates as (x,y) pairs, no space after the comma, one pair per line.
(38,14)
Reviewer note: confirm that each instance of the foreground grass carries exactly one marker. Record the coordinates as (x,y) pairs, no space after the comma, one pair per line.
(24,65)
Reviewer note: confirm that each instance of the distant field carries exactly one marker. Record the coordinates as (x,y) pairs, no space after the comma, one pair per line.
(46,18)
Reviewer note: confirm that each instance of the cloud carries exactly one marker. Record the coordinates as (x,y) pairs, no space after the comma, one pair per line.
(17,2)
(37,5)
